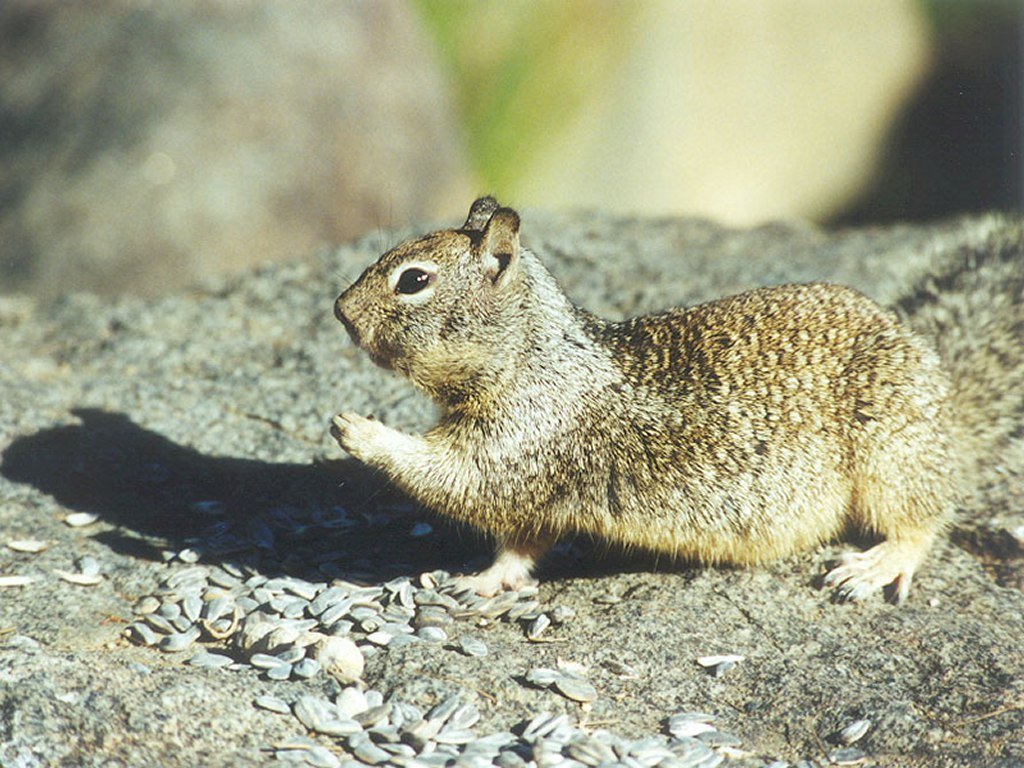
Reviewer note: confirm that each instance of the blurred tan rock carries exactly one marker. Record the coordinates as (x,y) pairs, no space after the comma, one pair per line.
(739,110)
(145,144)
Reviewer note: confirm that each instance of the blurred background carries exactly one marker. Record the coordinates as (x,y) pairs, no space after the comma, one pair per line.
(144,145)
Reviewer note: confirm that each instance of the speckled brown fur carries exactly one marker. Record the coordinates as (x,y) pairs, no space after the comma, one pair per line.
(736,431)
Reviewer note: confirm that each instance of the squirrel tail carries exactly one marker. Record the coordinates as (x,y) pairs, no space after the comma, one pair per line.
(973,311)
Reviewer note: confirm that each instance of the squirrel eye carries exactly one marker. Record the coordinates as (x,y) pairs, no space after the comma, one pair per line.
(413,280)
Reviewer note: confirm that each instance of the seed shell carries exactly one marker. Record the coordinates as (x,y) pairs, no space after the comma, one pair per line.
(575,689)
(472,646)
(31,546)
(82,579)
(15,581)
(80,519)
(854,731)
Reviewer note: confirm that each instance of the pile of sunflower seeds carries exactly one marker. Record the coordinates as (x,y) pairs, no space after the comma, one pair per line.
(377,732)
(231,615)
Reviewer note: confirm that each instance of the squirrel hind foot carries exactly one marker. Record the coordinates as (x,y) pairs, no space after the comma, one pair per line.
(888,567)
(509,571)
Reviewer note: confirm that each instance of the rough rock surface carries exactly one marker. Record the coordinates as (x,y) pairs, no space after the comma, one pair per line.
(147,412)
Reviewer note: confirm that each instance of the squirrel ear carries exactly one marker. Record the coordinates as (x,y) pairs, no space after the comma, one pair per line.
(480,213)
(500,246)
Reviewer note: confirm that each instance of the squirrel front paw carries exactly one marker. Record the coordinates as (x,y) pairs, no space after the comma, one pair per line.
(359,436)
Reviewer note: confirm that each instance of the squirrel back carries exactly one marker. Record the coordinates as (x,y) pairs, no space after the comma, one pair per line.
(972,310)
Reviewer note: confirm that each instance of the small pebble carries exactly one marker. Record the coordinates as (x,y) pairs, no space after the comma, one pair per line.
(80,519)
(561,614)
(620,668)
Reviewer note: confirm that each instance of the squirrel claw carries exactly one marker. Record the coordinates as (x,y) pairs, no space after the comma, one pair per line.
(356,434)
(888,567)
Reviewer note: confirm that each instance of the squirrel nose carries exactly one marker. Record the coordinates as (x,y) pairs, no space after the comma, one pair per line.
(340,314)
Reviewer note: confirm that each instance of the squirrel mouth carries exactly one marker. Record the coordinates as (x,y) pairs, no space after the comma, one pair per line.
(379,359)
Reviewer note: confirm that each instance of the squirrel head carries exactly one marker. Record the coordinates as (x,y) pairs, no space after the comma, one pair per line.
(442,309)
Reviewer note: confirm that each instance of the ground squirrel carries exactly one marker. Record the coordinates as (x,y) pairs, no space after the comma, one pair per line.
(736,431)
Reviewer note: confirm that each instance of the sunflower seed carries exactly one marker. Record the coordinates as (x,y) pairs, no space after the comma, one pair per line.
(420,530)
(575,689)
(306,668)
(30,546)
(451,734)
(80,519)
(591,752)
(368,752)
(443,709)
(541,677)
(854,731)
(273,704)
(146,604)
(472,646)
(464,716)
(159,623)
(192,607)
(15,581)
(373,716)
(140,633)
(537,626)
(432,634)
(81,579)
(715,738)
(848,756)
(280,672)
(322,757)
(207,660)
(351,701)
(542,725)
(291,654)
(420,733)
(178,641)
(265,661)
(688,728)
(714,661)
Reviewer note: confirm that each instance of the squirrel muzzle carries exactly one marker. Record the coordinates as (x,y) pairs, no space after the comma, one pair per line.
(339,313)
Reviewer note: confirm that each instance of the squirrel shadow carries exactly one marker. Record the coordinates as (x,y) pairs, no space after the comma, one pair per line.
(172,497)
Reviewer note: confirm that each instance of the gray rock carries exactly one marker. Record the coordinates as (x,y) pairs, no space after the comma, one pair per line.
(138,411)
